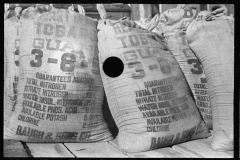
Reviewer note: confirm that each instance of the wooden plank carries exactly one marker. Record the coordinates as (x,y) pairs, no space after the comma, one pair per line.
(168,6)
(157,153)
(170,152)
(87,7)
(49,150)
(201,148)
(135,14)
(197,6)
(14,148)
(99,149)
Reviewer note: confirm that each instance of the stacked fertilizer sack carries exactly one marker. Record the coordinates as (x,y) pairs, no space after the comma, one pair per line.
(144,22)
(12,34)
(60,92)
(211,37)
(150,101)
(12,30)
(172,24)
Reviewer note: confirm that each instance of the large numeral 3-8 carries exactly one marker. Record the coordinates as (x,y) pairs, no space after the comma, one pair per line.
(16,57)
(38,57)
(164,66)
(197,66)
(67,64)
(140,73)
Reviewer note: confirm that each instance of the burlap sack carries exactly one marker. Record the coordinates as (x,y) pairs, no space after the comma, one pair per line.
(172,24)
(12,34)
(144,19)
(9,14)
(150,100)
(12,31)
(153,23)
(212,40)
(60,89)
(6,11)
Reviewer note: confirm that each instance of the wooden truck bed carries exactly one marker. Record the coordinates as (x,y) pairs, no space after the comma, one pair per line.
(194,149)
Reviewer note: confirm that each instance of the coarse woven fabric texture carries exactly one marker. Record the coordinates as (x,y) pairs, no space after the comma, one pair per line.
(150,101)
(12,34)
(213,43)
(60,92)
(172,25)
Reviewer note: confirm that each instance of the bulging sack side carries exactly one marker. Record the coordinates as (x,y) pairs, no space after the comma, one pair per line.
(172,25)
(60,89)
(12,30)
(12,34)
(150,100)
(213,43)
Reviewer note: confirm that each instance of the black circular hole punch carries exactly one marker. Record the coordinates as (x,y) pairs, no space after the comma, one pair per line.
(113,67)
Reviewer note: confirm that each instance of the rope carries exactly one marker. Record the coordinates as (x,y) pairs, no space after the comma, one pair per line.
(102,11)
(81,10)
